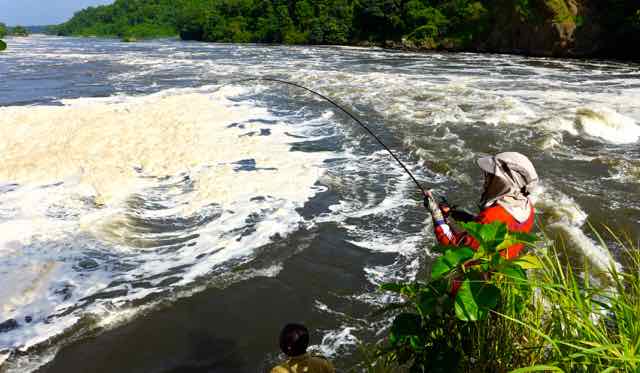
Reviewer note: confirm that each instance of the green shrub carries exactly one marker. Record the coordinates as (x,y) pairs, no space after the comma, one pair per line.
(293,36)
(553,318)
(3,45)
(438,332)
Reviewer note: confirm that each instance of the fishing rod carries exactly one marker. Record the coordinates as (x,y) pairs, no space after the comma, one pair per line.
(424,192)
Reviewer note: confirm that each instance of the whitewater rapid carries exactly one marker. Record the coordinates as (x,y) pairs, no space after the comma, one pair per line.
(109,200)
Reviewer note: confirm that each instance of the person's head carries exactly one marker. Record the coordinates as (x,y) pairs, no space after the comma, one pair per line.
(505,174)
(294,339)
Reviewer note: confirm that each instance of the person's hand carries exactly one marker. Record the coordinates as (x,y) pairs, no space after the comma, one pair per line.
(431,205)
(428,199)
(445,208)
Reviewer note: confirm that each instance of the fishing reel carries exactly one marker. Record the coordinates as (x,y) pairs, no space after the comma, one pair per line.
(452,211)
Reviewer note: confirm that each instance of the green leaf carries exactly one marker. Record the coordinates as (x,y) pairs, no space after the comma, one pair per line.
(493,234)
(497,260)
(392,287)
(473,229)
(514,238)
(523,237)
(406,289)
(440,268)
(450,260)
(416,343)
(440,249)
(528,262)
(475,299)
(538,368)
(514,273)
(488,235)
(455,257)
(405,325)
(427,302)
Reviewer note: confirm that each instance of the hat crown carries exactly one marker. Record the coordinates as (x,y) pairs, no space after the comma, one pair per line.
(515,167)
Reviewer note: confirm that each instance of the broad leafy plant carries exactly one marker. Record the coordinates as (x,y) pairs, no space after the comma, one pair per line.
(433,331)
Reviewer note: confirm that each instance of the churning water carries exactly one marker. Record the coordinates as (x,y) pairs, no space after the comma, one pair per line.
(142,189)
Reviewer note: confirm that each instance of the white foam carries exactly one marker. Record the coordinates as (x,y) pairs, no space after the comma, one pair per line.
(77,166)
(335,342)
(608,125)
(560,213)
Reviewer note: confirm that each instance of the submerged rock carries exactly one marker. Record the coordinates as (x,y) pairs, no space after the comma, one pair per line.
(8,325)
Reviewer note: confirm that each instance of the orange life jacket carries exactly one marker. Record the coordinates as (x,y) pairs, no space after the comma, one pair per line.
(493,213)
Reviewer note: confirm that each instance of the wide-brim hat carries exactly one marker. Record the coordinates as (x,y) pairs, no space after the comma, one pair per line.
(512,167)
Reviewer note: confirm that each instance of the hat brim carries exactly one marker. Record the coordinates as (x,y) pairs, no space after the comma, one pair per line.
(487,164)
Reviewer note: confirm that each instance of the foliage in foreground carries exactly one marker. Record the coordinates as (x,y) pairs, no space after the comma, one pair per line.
(553,318)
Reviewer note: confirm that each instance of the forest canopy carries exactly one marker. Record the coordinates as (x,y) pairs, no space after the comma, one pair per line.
(280,21)
(450,24)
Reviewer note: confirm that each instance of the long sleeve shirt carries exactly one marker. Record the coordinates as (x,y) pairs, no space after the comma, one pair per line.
(446,236)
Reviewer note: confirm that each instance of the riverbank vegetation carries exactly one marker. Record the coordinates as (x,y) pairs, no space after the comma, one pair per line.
(534,26)
(18,31)
(542,312)
(3,33)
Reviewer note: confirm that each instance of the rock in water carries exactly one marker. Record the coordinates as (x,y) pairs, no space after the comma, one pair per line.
(129,39)
(8,325)
(3,45)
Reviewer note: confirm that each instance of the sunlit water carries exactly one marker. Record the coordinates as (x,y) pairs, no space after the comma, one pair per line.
(136,175)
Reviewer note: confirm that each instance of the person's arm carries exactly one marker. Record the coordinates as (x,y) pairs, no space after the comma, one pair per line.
(444,234)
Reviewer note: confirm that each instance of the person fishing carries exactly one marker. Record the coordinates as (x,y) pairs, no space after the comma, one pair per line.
(508,180)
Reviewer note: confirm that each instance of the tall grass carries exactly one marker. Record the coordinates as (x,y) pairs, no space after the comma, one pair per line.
(563,316)
(589,325)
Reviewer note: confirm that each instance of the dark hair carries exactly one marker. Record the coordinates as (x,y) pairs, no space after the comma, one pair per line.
(294,339)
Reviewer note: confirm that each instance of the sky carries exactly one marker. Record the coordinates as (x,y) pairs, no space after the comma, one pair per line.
(42,12)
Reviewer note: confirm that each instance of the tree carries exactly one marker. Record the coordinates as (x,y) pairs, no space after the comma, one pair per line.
(19,31)
(3,30)
(379,19)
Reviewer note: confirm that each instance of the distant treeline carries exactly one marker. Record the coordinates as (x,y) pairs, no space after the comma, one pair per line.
(13,31)
(281,21)
(449,24)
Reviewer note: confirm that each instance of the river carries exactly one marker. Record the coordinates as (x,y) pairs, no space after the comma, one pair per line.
(158,215)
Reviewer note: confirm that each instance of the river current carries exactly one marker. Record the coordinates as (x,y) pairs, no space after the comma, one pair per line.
(156,214)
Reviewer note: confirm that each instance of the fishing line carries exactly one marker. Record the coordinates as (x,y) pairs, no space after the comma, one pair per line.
(424,192)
